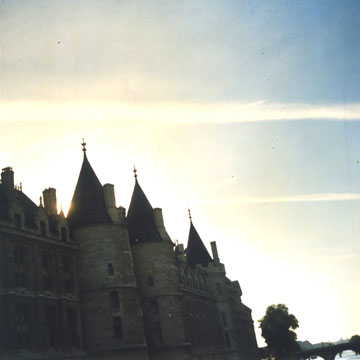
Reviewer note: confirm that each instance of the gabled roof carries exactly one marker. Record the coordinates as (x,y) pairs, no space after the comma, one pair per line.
(196,252)
(88,203)
(140,218)
(29,207)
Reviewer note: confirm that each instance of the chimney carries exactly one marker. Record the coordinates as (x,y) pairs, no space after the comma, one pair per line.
(159,220)
(109,197)
(50,205)
(215,252)
(7,178)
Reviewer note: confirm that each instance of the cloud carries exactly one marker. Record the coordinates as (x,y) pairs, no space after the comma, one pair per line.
(175,113)
(285,199)
(336,254)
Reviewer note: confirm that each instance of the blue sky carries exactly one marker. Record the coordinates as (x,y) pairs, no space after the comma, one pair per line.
(246,111)
(282,51)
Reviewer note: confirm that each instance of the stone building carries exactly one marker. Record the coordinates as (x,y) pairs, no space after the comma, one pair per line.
(103,284)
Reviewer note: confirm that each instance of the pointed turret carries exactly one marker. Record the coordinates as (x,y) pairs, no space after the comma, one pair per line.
(196,252)
(140,218)
(88,203)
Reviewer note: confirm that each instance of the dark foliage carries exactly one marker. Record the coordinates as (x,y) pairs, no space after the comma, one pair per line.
(276,328)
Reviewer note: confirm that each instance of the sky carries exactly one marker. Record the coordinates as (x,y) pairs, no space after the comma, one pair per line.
(247,112)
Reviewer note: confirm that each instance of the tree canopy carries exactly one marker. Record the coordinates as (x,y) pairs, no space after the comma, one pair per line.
(355,339)
(276,328)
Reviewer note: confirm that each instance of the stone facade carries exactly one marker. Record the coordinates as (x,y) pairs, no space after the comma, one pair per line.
(101,284)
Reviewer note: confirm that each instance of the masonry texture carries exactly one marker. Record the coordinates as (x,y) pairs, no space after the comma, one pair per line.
(103,283)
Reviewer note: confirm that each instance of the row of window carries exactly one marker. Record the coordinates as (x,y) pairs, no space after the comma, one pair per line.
(43,230)
(117,320)
(46,282)
(201,308)
(47,260)
(25,326)
(196,284)
(110,271)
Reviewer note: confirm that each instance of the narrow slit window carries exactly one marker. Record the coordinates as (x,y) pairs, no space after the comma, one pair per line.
(157,331)
(154,307)
(117,327)
(114,299)
(110,269)
(150,281)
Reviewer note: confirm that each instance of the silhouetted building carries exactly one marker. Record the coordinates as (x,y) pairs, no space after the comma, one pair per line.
(102,285)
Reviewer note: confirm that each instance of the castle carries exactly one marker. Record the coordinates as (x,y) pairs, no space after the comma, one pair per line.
(103,284)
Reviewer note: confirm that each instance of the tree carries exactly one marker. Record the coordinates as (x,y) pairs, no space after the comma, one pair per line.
(355,339)
(276,328)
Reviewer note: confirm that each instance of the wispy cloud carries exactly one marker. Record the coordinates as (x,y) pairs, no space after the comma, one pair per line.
(336,254)
(287,199)
(181,113)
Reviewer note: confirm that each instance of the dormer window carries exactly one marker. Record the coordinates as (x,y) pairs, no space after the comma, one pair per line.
(43,228)
(63,234)
(17,220)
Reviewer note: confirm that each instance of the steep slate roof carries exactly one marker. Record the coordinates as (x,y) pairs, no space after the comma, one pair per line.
(29,207)
(140,218)
(4,205)
(88,203)
(196,252)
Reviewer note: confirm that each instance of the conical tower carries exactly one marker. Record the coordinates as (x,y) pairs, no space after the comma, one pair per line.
(158,279)
(196,252)
(110,302)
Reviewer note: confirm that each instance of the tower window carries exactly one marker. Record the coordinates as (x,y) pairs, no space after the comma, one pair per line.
(114,299)
(17,219)
(154,307)
(110,269)
(150,281)
(157,330)
(117,327)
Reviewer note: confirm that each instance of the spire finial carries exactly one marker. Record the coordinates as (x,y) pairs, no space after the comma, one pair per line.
(135,172)
(189,211)
(41,204)
(83,144)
